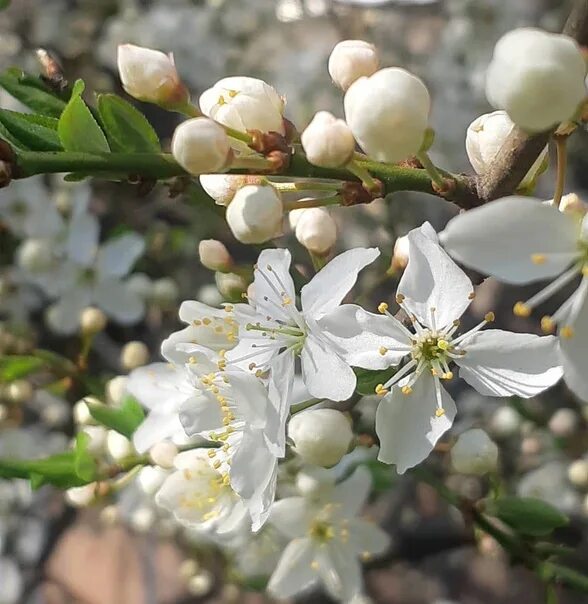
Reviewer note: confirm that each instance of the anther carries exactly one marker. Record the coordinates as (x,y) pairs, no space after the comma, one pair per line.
(566,332)
(547,324)
(439,412)
(382,307)
(406,390)
(380,390)
(382,350)
(521,309)
(472,296)
(489,317)
(400,298)
(447,376)
(538,258)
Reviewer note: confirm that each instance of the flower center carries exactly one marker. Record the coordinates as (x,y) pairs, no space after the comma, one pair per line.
(321,531)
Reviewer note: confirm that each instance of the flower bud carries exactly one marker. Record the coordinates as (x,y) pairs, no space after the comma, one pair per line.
(163,453)
(81,497)
(151,478)
(96,438)
(81,411)
(35,255)
(230,285)
(214,255)
(116,389)
(142,519)
(536,77)
(400,254)
(200,584)
(151,76)
(164,292)
(118,446)
(244,103)
(320,436)
(484,139)
(222,187)
(474,453)
(92,320)
(316,230)
(19,392)
(505,422)
(352,59)
(327,141)
(200,145)
(134,354)
(255,214)
(578,473)
(388,113)
(563,423)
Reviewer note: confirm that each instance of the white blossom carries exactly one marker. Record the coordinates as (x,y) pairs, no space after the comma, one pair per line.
(273,331)
(244,103)
(536,77)
(350,60)
(521,240)
(484,139)
(327,540)
(150,75)
(434,292)
(200,145)
(388,113)
(328,141)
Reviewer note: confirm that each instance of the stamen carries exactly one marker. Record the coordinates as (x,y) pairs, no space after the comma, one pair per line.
(439,412)
(382,350)
(382,307)
(538,258)
(406,390)
(380,390)
(401,373)
(547,324)
(520,309)
(566,332)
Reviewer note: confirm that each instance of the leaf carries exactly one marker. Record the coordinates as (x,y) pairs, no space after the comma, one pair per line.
(31,92)
(4,4)
(368,380)
(124,419)
(85,465)
(127,129)
(14,367)
(527,515)
(10,139)
(36,132)
(77,128)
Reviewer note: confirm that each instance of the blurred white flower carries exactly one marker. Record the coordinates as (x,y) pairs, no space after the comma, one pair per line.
(474,453)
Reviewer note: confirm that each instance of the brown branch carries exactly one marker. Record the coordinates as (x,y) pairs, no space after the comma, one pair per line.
(520,150)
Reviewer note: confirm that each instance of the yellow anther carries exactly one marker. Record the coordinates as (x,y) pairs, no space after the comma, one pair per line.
(226,480)
(566,332)
(366,556)
(228,308)
(219,329)
(192,360)
(538,258)
(448,375)
(406,390)
(233,93)
(489,317)
(206,321)
(211,453)
(286,301)
(221,100)
(314,565)
(521,309)
(196,322)
(382,350)
(547,324)
(187,474)
(585,270)
(456,323)
(442,344)
(382,307)
(434,372)
(380,390)
(400,298)
(439,412)
(217,464)
(472,296)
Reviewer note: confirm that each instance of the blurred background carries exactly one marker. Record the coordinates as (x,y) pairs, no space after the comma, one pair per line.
(126,552)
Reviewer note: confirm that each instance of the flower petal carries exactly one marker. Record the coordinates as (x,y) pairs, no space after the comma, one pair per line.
(119,301)
(294,572)
(64,316)
(155,428)
(117,256)
(407,425)
(292,516)
(82,238)
(324,372)
(353,492)
(502,363)
(199,414)
(332,283)
(501,237)
(159,386)
(339,571)
(433,281)
(573,350)
(367,537)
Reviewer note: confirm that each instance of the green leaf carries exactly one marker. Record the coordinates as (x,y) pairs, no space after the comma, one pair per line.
(4,4)
(85,465)
(527,515)
(11,140)
(368,380)
(14,367)
(124,419)
(31,92)
(36,132)
(127,129)
(77,128)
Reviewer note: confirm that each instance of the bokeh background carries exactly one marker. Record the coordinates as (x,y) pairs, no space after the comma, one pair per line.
(125,552)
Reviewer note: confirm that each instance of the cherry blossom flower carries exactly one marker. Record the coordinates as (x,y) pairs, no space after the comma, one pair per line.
(521,240)
(434,292)
(327,540)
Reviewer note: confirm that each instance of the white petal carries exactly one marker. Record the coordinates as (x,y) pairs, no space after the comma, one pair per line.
(353,492)
(325,373)
(407,425)
(64,316)
(155,428)
(159,386)
(250,397)
(292,516)
(294,572)
(365,536)
(82,238)
(279,392)
(574,355)
(200,413)
(119,301)
(339,571)
(332,283)
(117,256)
(503,363)
(500,238)
(433,280)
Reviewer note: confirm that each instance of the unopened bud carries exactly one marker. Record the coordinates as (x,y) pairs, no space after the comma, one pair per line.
(320,436)
(350,60)
(256,213)
(400,255)
(316,230)
(230,285)
(474,453)
(578,473)
(18,392)
(92,320)
(96,438)
(81,497)
(116,389)
(327,141)
(142,520)
(164,292)
(563,423)
(118,446)
(151,76)
(81,410)
(201,584)
(163,454)
(151,478)
(200,145)
(505,422)
(36,255)
(134,354)
(572,204)
(214,255)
